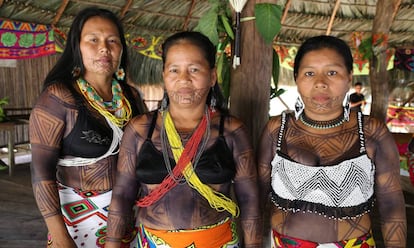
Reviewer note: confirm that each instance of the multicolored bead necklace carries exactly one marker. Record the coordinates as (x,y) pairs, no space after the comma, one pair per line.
(118,110)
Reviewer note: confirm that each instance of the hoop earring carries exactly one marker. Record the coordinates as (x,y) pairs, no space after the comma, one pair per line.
(299,107)
(213,100)
(76,71)
(164,102)
(120,74)
(347,106)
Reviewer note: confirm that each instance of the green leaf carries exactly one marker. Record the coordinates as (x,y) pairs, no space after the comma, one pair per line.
(275,68)
(274,92)
(227,26)
(268,20)
(219,66)
(207,24)
(365,48)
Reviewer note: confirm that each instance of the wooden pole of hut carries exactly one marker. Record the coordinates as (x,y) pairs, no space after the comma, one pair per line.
(250,81)
(384,16)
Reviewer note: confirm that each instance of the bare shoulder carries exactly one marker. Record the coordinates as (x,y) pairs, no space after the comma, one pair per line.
(142,122)
(231,122)
(375,128)
(60,92)
(275,122)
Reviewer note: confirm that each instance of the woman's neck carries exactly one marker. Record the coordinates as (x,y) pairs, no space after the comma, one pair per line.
(186,119)
(102,86)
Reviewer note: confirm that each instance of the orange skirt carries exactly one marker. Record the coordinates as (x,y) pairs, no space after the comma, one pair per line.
(222,235)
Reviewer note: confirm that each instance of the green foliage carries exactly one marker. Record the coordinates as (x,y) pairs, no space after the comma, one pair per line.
(216,24)
(268,20)
(365,48)
(275,68)
(208,24)
(275,91)
(3,101)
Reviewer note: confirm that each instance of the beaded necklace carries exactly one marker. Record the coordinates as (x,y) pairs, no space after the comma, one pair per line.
(322,124)
(118,110)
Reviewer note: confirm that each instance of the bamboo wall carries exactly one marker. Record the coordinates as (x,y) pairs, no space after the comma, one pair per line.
(22,85)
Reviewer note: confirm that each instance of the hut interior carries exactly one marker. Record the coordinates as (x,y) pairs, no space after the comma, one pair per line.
(33,35)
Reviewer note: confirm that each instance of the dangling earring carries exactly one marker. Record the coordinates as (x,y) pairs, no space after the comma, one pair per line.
(120,74)
(347,107)
(164,102)
(213,100)
(76,71)
(299,107)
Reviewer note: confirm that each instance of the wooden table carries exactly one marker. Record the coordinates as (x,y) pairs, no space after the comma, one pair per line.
(8,127)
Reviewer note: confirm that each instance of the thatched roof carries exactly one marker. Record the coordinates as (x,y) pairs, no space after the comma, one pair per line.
(303,18)
(306,18)
(160,18)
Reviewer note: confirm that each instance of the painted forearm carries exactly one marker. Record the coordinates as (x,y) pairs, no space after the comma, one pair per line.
(47,198)
(252,232)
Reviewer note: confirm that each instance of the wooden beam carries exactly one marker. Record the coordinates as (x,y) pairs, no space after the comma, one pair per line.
(328,31)
(250,81)
(125,8)
(378,74)
(1,3)
(189,14)
(396,7)
(59,12)
(285,11)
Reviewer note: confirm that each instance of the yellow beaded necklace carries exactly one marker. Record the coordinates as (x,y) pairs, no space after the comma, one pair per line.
(120,105)
(216,199)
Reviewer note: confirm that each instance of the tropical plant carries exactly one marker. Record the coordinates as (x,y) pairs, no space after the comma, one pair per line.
(3,101)
(217,24)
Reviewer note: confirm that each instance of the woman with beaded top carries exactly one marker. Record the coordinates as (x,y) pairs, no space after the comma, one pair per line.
(184,160)
(75,129)
(321,167)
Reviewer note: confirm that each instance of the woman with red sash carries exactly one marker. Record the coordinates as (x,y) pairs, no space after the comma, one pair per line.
(190,163)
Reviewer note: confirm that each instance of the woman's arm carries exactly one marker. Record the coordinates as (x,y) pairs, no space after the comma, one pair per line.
(265,153)
(246,187)
(125,190)
(388,190)
(47,125)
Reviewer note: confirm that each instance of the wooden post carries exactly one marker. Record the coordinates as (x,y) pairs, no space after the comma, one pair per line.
(250,81)
(385,13)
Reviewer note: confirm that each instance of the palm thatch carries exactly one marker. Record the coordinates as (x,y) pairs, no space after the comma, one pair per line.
(306,18)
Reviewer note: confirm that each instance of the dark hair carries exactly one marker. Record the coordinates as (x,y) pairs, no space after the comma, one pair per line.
(320,42)
(358,84)
(208,49)
(71,56)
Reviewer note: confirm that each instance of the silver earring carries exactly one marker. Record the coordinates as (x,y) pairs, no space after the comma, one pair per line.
(299,107)
(213,101)
(76,71)
(120,74)
(164,102)
(347,107)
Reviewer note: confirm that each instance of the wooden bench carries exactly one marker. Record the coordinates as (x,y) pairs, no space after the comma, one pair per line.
(15,117)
